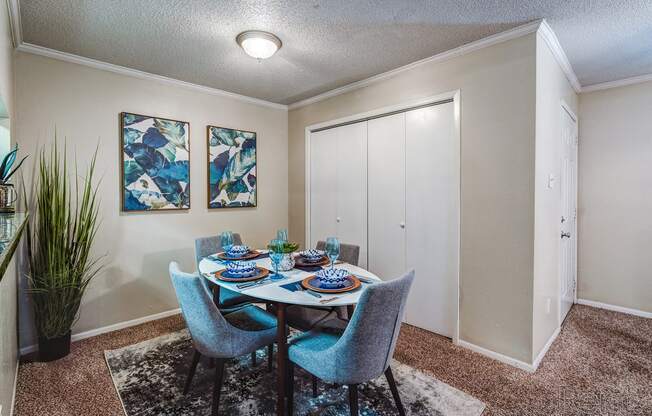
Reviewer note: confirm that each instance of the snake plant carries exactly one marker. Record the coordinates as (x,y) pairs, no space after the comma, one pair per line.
(7,162)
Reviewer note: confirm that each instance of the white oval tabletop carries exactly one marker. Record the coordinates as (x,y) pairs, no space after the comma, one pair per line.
(272,290)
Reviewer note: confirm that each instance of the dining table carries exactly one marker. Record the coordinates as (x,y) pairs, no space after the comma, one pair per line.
(282,292)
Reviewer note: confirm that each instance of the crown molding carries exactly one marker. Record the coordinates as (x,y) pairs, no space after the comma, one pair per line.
(13,9)
(617,83)
(93,63)
(440,57)
(558,52)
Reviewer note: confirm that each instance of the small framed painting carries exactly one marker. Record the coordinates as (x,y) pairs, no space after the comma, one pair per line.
(232,176)
(155,163)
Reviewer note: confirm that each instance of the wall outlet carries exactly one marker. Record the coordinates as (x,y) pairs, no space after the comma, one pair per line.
(548,303)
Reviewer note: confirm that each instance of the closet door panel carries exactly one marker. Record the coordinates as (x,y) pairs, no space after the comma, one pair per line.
(323,185)
(386,196)
(352,187)
(432,230)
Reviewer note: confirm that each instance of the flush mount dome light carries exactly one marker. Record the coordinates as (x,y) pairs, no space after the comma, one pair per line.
(258,44)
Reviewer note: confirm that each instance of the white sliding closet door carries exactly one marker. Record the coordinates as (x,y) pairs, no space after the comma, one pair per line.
(351,186)
(323,185)
(386,196)
(432,225)
(338,186)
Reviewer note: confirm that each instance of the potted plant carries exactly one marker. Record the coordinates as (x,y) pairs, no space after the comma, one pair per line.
(8,194)
(59,249)
(287,261)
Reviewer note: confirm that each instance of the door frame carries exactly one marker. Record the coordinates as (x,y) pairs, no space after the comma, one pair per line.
(565,107)
(455,97)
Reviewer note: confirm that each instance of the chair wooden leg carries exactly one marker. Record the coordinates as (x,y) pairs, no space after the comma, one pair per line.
(191,374)
(392,387)
(290,388)
(217,387)
(270,357)
(314,386)
(253,358)
(353,399)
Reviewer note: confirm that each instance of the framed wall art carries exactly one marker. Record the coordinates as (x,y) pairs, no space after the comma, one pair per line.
(232,176)
(155,163)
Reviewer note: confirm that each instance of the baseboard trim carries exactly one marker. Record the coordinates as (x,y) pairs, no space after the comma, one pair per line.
(615,308)
(545,348)
(110,328)
(530,368)
(13,396)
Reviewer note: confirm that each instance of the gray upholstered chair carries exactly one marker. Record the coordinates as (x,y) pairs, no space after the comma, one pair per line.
(228,300)
(218,336)
(305,318)
(363,351)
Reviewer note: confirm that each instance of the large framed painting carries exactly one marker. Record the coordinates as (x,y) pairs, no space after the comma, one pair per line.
(155,158)
(232,176)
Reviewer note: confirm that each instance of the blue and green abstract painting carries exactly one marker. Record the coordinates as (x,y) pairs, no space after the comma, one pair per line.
(231,168)
(156,163)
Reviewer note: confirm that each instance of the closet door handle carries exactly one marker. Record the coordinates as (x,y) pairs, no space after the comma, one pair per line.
(402,225)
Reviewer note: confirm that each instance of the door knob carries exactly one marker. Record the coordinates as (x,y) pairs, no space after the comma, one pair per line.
(338,219)
(565,235)
(402,225)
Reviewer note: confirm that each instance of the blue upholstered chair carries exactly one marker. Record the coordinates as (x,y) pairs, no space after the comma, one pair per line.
(218,336)
(305,318)
(363,351)
(228,300)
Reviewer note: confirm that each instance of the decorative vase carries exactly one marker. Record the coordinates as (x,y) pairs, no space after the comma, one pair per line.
(286,263)
(54,348)
(8,197)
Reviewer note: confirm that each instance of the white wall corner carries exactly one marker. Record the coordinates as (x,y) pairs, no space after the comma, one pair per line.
(545,348)
(552,41)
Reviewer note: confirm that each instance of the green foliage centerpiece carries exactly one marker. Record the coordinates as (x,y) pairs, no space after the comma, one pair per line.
(65,225)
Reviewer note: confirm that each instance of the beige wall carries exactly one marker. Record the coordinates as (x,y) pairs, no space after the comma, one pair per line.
(497,180)
(615,200)
(8,291)
(552,88)
(84,105)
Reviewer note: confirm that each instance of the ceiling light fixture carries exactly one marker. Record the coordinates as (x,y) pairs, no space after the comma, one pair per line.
(258,44)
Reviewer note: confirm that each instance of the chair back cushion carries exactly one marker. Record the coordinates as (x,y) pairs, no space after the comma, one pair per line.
(367,345)
(208,328)
(349,253)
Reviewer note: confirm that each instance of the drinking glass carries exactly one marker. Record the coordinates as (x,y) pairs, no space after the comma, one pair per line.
(226,239)
(332,249)
(282,234)
(276,254)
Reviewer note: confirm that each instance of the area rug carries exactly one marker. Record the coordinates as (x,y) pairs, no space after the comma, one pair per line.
(149,378)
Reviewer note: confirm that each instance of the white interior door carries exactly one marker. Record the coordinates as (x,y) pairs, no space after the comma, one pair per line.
(568,221)
(432,223)
(351,161)
(386,196)
(323,185)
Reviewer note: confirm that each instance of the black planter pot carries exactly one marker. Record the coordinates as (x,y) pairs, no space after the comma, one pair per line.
(53,349)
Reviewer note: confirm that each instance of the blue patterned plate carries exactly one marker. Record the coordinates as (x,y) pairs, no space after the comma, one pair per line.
(313,283)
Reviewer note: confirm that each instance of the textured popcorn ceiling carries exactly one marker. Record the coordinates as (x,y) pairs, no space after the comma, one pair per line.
(327,43)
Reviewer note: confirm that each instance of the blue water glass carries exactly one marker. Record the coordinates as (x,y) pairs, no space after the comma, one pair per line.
(226,240)
(332,249)
(282,234)
(276,254)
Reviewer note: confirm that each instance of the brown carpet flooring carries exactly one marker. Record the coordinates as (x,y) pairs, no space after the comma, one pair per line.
(601,364)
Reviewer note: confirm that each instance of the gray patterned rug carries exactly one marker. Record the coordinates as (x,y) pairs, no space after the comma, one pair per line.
(149,378)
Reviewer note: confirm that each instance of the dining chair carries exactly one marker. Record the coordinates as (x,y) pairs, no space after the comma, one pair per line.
(363,351)
(218,336)
(228,300)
